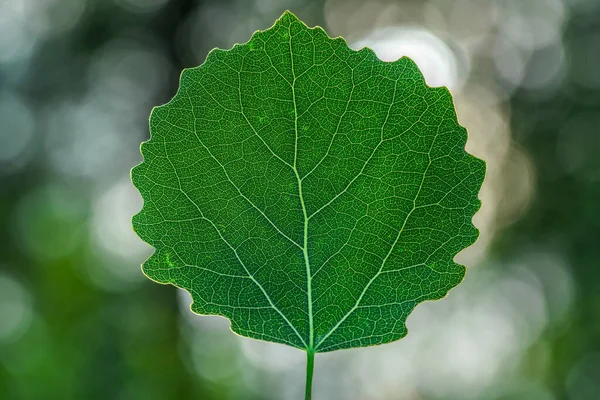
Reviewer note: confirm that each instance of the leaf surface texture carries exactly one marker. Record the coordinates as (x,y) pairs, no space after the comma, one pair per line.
(310,193)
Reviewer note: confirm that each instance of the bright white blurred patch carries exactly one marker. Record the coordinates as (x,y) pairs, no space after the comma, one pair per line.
(215,354)
(469,21)
(204,322)
(509,184)
(456,348)
(18,123)
(18,38)
(526,29)
(120,248)
(514,190)
(93,137)
(554,274)
(83,139)
(546,69)
(530,32)
(57,16)
(273,357)
(210,18)
(111,222)
(24,23)
(268,7)
(125,75)
(434,57)
(544,18)
(219,355)
(510,62)
(15,309)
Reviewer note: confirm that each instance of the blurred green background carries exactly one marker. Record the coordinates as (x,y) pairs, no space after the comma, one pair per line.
(78,320)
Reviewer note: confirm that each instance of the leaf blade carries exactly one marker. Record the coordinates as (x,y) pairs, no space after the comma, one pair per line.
(277,188)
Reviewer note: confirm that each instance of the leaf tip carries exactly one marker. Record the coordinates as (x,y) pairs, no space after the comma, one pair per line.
(288,16)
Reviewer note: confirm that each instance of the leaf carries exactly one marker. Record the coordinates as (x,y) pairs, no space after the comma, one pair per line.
(310,193)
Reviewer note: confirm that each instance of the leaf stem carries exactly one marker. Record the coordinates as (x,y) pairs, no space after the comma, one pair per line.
(310,363)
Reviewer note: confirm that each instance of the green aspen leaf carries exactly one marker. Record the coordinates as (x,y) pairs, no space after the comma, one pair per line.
(310,193)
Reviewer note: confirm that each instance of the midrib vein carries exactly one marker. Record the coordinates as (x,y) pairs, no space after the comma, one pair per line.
(303,205)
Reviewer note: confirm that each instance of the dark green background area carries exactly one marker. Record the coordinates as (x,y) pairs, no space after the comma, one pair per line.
(77,321)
